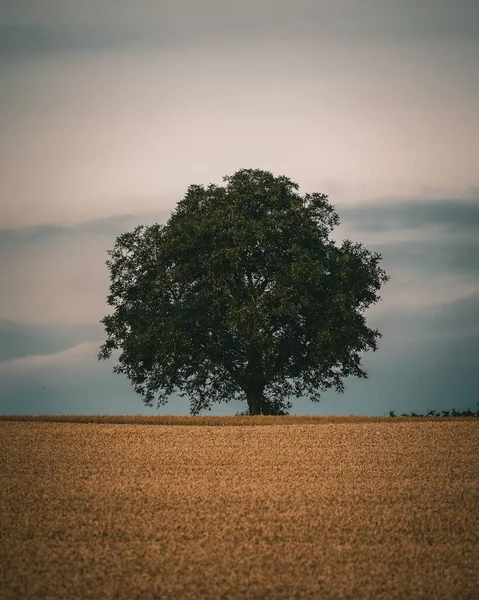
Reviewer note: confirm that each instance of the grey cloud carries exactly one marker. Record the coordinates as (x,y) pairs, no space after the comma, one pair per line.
(445,18)
(18,340)
(25,237)
(18,41)
(21,339)
(456,250)
(57,274)
(28,40)
(119,224)
(54,28)
(394,21)
(439,256)
(454,320)
(458,319)
(33,237)
(385,215)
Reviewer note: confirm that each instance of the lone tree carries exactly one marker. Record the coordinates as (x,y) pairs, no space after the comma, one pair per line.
(241,295)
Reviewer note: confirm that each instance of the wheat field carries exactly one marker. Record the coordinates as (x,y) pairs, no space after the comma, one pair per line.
(267,507)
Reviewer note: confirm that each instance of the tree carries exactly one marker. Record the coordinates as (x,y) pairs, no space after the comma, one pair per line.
(241,295)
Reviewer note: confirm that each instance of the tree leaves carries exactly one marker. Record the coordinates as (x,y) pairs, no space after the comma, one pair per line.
(241,295)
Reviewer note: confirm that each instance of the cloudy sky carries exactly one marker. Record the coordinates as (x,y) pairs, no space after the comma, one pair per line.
(109,109)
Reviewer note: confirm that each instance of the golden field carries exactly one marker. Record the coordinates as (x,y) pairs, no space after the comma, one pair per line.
(259,507)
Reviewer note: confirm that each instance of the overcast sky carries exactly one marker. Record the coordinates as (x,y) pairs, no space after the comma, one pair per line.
(109,109)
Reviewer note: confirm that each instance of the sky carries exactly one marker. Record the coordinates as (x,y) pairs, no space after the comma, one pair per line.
(110,109)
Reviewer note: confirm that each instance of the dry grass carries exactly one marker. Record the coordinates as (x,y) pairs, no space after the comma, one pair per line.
(362,508)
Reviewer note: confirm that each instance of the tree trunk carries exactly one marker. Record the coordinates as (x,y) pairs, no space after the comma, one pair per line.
(258,404)
(254,397)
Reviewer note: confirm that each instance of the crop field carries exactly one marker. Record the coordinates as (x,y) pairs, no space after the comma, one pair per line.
(239,507)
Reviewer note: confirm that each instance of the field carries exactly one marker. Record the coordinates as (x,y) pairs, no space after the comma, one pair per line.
(240,507)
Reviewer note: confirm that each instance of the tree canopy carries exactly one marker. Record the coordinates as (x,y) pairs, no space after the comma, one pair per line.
(241,295)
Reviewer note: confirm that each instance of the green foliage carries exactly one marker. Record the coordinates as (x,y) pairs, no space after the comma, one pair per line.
(241,296)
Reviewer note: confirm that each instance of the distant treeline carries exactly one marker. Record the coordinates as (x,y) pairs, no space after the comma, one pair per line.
(443,413)
(392,413)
